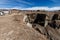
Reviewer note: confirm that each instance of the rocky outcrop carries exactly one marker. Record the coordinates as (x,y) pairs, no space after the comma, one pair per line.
(44,26)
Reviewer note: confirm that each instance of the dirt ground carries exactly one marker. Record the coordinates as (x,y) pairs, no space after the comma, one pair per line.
(12,28)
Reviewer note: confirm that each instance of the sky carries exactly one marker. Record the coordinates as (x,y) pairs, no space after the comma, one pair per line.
(31,4)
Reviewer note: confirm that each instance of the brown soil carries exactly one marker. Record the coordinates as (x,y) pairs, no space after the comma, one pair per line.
(12,28)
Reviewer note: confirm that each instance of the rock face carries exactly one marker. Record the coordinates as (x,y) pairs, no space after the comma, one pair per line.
(43,25)
(11,28)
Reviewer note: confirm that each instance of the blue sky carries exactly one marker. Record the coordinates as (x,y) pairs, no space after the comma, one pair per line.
(29,3)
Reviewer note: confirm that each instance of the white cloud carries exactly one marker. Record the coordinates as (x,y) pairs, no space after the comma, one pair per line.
(3,1)
(55,8)
(42,8)
(35,8)
(25,2)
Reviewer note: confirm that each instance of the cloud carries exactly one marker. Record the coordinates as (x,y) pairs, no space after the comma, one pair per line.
(42,8)
(12,3)
(6,2)
(25,2)
(35,8)
(3,1)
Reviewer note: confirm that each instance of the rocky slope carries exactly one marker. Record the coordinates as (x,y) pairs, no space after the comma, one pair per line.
(12,28)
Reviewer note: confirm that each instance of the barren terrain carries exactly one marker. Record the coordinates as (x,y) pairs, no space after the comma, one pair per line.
(12,28)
